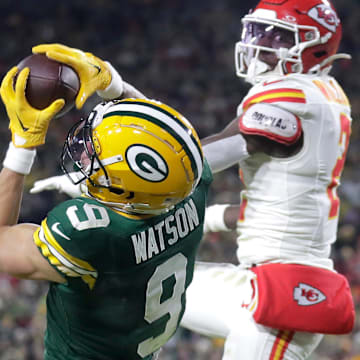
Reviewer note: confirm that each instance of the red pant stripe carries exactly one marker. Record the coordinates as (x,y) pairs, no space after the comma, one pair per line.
(281,344)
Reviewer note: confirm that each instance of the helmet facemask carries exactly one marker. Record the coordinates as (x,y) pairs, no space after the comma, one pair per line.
(79,158)
(271,48)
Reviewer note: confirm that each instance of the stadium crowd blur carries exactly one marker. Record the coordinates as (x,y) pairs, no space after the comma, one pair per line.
(180,52)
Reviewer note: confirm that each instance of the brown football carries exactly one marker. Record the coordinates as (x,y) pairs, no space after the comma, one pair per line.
(49,80)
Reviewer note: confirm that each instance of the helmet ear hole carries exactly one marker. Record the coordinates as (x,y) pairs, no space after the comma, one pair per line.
(320,54)
(116,191)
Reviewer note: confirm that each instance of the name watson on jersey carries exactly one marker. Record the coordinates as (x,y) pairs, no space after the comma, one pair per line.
(178,225)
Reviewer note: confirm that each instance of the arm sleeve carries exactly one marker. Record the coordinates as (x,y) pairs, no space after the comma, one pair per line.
(224,153)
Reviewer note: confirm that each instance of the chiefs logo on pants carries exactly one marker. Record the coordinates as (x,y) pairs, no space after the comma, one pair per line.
(299,294)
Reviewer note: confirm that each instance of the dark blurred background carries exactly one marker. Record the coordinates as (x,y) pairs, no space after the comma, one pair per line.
(180,52)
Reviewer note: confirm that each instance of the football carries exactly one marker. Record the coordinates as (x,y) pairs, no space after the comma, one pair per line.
(49,80)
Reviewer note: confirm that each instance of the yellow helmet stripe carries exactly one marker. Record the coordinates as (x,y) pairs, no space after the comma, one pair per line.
(167,121)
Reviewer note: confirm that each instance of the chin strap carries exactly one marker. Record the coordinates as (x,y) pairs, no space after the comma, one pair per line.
(128,208)
(256,68)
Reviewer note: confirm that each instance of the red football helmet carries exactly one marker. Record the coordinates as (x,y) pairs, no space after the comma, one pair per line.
(288,36)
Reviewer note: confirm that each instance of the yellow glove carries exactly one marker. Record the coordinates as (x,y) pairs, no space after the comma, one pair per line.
(27,124)
(93,73)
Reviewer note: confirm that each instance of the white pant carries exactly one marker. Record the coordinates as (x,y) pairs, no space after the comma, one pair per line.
(214,308)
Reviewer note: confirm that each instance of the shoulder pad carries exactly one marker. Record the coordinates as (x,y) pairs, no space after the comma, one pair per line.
(272,122)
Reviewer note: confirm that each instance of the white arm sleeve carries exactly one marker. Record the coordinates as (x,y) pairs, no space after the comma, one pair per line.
(116,87)
(226,152)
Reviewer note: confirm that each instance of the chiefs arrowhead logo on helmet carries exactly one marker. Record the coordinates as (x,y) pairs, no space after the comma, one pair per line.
(306,295)
(325,16)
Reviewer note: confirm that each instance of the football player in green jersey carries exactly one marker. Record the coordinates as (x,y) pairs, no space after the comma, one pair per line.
(119,258)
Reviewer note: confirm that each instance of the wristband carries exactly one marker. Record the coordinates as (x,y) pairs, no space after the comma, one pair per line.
(116,87)
(19,160)
(214,218)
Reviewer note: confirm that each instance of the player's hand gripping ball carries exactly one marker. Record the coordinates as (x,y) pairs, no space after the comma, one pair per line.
(49,80)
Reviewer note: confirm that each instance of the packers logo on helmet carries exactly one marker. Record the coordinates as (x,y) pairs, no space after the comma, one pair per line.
(141,156)
(147,163)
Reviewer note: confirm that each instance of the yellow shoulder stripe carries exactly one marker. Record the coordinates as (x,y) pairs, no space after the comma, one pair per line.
(63,261)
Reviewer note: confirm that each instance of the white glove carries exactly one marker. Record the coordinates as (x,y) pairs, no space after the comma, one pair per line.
(60,183)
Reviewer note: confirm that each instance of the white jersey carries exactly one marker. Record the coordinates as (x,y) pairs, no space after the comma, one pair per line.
(289,210)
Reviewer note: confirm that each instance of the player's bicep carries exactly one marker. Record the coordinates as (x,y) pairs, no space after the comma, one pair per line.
(20,257)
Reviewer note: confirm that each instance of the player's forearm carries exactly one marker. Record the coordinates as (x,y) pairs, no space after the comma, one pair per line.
(11,190)
(16,165)
(130,91)
(118,88)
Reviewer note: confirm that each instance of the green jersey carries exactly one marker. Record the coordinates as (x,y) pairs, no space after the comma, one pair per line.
(126,276)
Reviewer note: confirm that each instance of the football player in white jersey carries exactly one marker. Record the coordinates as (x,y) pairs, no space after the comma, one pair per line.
(289,139)
(283,296)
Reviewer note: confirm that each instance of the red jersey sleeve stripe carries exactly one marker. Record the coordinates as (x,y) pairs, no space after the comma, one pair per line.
(282,95)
